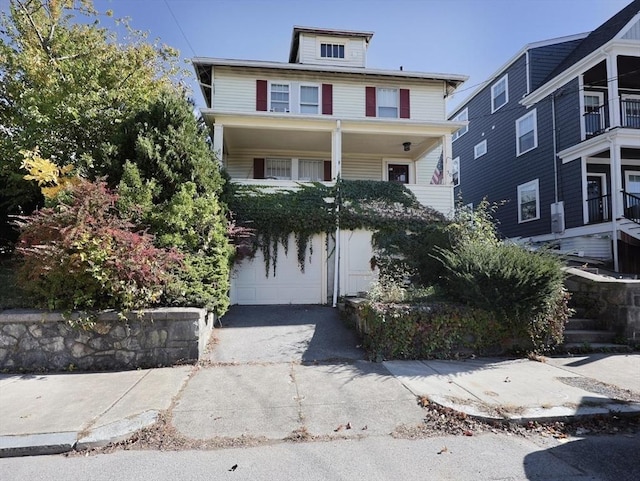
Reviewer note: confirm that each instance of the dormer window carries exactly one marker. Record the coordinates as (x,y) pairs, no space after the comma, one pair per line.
(331,50)
(279,96)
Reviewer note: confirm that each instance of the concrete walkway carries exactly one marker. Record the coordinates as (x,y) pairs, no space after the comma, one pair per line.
(284,371)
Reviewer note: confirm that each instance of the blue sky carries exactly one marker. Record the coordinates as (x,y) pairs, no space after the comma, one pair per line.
(470,37)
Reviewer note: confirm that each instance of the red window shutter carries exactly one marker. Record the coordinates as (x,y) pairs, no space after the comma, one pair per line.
(370,102)
(327,170)
(405,108)
(327,99)
(258,168)
(261,95)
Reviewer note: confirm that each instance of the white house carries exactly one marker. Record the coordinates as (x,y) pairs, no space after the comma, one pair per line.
(321,115)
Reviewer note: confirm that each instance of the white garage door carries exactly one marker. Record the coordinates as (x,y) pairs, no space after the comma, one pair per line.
(250,285)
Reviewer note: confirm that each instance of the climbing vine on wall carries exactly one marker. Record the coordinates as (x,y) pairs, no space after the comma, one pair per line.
(309,209)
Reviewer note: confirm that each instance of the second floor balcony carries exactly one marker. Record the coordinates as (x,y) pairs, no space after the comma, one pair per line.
(597,119)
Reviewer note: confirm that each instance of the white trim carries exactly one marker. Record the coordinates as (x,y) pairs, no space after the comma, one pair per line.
(527,186)
(462,130)
(269,86)
(456,162)
(628,173)
(309,84)
(408,163)
(504,78)
(397,91)
(535,132)
(583,109)
(603,183)
(476,148)
(321,39)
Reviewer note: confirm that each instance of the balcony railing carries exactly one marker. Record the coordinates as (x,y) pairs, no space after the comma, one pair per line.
(630,113)
(596,120)
(632,207)
(599,209)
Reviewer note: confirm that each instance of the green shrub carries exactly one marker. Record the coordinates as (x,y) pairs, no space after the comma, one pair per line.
(423,331)
(523,289)
(80,255)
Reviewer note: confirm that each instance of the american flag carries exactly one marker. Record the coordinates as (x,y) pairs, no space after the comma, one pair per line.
(436,178)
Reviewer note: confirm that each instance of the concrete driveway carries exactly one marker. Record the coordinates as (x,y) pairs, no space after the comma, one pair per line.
(283,371)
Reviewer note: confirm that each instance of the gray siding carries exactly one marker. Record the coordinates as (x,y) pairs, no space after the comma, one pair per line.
(571,193)
(543,60)
(567,101)
(497,174)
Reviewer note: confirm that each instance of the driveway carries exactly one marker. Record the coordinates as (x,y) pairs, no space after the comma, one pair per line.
(289,333)
(279,372)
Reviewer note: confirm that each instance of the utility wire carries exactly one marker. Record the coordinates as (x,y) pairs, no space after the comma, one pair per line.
(180,28)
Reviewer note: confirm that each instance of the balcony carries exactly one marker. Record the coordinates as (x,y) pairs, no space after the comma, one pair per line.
(596,119)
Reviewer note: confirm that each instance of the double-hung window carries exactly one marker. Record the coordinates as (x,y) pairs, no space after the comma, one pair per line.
(461,117)
(279,169)
(480,149)
(499,93)
(309,99)
(387,101)
(526,133)
(279,96)
(529,201)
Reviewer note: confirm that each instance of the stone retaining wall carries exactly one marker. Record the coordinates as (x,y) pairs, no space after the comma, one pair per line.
(39,340)
(614,302)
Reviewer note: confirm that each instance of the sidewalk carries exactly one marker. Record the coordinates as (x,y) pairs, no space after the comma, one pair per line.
(278,372)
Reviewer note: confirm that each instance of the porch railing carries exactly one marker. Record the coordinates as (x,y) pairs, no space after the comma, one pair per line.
(599,209)
(596,120)
(632,207)
(630,113)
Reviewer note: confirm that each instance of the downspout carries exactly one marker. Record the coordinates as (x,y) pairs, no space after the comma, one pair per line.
(555,147)
(617,189)
(337,200)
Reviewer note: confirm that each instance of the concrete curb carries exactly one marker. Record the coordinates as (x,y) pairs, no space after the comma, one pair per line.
(57,443)
(37,444)
(116,431)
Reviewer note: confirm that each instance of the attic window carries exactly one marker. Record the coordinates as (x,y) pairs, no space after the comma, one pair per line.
(331,50)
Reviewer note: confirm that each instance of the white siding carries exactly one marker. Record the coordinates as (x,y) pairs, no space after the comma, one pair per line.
(595,247)
(309,51)
(361,169)
(426,165)
(633,33)
(438,197)
(235,92)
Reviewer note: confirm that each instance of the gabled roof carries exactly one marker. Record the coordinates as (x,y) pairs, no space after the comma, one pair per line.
(598,37)
(297,30)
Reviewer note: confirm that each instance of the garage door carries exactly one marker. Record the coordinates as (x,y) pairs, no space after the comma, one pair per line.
(250,285)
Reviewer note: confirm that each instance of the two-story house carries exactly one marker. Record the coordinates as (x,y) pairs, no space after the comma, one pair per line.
(321,115)
(555,133)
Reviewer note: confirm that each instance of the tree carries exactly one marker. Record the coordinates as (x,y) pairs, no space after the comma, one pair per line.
(66,87)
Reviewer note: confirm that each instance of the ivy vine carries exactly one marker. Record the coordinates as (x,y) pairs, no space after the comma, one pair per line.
(310,209)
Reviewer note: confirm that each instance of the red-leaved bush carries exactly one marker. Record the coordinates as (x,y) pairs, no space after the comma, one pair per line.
(80,254)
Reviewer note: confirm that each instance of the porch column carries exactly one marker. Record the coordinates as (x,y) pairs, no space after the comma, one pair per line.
(218,133)
(612,91)
(336,151)
(447,177)
(617,199)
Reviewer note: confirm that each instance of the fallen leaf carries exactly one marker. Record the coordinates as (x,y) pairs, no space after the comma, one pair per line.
(468,433)
(348,426)
(365,427)
(234,467)
(443,450)
(339,428)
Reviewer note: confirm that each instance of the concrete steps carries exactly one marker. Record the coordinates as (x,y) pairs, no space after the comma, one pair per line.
(582,334)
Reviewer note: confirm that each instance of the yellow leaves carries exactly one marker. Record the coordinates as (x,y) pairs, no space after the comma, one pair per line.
(51,178)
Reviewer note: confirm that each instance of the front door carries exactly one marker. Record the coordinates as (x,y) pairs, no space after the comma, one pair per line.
(399,173)
(595,198)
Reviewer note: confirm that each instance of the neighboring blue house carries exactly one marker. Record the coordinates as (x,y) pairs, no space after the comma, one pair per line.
(555,132)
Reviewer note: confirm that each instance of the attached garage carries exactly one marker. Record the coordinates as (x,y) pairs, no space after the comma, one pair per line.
(251,286)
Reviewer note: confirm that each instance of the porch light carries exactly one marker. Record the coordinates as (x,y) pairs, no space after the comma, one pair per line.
(407,146)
